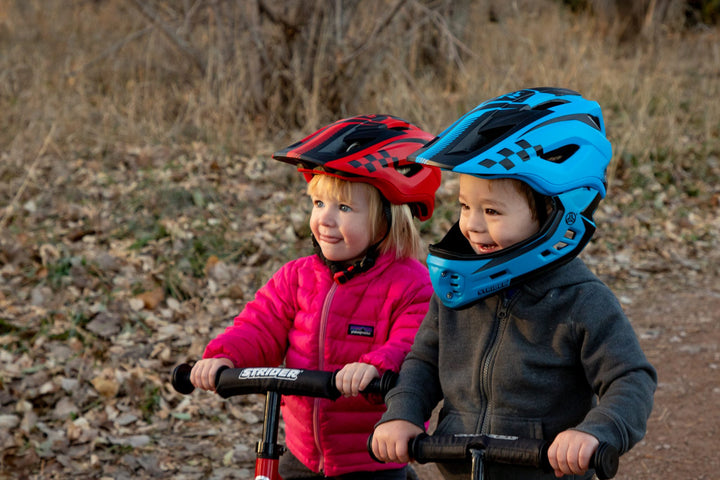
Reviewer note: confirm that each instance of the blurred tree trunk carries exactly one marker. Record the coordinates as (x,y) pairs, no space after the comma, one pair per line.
(304,61)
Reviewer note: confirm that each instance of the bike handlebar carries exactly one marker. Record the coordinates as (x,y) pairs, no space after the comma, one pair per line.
(230,382)
(501,449)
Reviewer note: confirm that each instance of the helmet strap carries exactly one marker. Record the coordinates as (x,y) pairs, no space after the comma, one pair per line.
(541,208)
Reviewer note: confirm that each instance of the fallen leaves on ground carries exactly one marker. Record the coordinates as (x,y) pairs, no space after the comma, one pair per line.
(112,272)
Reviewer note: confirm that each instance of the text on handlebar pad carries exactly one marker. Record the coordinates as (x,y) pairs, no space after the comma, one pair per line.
(263,372)
(489,435)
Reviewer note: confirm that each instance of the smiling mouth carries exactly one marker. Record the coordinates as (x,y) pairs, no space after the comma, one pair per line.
(482,248)
(327,239)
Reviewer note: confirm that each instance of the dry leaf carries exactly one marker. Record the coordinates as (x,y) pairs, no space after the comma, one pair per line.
(107,387)
(152,298)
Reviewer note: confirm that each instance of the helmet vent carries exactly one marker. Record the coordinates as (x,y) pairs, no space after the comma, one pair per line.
(352,147)
(409,170)
(559,246)
(484,137)
(559,155)
(555,249)
(498,274)
(456,283)
(550,104)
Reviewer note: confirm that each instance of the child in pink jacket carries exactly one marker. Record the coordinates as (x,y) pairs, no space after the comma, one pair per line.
(355,305)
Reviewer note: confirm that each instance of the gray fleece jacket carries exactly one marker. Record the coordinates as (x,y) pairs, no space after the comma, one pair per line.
(555,353)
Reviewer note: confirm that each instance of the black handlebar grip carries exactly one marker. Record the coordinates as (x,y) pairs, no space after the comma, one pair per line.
(181,379)
(605,461)
(425,448)
(221,369)
(449,448)
(370,450)
(377,386)
(381,386)
(388,381)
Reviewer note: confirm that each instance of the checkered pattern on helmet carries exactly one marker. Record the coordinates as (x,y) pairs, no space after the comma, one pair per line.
(524,153)
(374,161)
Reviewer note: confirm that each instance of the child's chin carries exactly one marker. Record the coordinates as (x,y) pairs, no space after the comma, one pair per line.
(334,258)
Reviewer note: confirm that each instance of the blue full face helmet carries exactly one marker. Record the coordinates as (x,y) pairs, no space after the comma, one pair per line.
(553,140)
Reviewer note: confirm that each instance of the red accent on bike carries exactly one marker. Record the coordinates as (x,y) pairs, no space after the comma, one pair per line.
(267,469)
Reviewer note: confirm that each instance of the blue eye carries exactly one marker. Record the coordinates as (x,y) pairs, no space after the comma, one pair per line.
(345,208)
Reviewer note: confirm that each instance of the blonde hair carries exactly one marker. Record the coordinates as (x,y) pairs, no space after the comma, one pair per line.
(403,237)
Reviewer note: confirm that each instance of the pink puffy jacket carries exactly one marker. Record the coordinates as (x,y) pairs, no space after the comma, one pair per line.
(302,317)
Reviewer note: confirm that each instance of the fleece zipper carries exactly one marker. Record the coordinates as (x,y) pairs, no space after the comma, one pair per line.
(502,313)
(321,366)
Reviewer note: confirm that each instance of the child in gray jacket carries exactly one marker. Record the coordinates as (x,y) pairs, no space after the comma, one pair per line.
(521,339)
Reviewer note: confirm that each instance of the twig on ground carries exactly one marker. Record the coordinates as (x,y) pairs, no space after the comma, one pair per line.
(9,210)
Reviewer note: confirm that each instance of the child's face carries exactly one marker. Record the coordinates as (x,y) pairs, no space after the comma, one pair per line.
(494,214)
(342,229)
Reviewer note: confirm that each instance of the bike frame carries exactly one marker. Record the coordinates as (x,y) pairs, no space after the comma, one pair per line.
(274,382)
(269,450)
(479,449)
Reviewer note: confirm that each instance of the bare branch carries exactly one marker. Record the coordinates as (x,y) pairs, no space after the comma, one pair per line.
(178,42)
(253,56)
(379,27)
(292,27)
(111,50)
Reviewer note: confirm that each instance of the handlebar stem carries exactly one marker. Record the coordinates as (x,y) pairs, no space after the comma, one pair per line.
(478,463)
(269,447)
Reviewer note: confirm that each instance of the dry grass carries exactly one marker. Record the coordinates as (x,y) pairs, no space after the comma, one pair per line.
(104,74)
(88,82)
(247,78)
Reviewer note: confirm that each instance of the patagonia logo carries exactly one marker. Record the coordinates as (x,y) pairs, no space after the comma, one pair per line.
(361,330)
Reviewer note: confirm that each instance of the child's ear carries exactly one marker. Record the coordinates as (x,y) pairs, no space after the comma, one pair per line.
(549,205)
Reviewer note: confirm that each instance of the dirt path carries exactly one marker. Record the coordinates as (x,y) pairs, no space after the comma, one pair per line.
(204,436)
(680,333)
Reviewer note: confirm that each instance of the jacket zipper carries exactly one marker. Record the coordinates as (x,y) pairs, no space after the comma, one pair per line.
(321,364)
(501,315)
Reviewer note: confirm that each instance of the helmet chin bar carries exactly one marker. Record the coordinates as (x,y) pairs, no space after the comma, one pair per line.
(460,278)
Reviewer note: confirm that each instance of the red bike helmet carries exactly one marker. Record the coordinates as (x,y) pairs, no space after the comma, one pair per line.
(371,149)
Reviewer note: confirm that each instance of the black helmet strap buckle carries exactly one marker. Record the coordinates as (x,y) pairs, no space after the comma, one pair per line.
(343,276)
(343,273)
